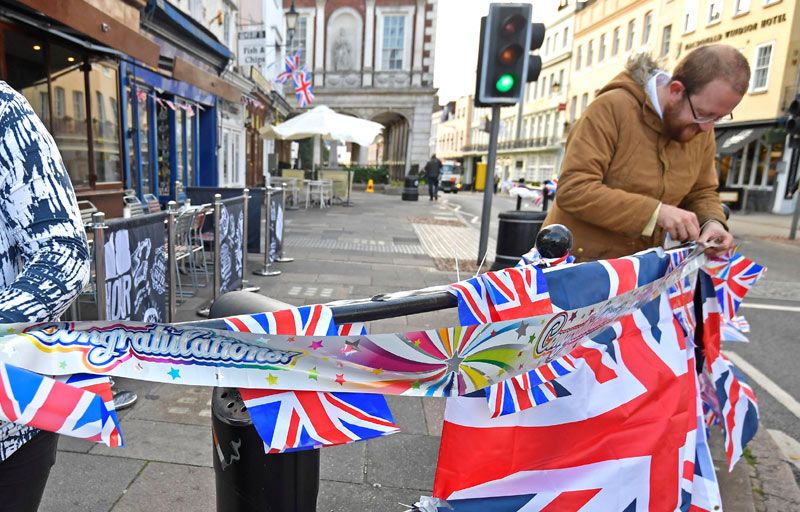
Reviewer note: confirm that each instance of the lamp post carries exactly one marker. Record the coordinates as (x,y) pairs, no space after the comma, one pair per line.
(291,21)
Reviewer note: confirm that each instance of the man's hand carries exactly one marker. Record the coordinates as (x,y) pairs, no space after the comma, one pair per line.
(682,225)
(714,232)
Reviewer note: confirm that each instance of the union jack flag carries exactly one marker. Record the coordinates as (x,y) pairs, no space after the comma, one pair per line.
(735,406)
(508,294)
(735,329)
(291,65)
(303,89)
(27,398)
(530,389)
(533,257)
(732,279)
(299,420)
(681,294)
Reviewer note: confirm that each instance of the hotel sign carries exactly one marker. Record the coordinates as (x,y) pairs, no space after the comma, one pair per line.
(750,27)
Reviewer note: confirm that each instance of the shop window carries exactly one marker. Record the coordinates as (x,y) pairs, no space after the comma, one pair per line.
(26,71)
(105,128)
(162,148)
(179,149)
(69,122)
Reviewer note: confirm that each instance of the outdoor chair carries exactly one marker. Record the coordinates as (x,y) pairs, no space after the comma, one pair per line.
(133,204)
(87,209)
(184,251)
(197,242)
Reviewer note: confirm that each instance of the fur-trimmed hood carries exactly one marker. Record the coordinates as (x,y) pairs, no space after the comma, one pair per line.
(638,70)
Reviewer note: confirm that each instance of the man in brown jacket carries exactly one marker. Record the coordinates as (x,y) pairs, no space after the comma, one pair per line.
(639,162)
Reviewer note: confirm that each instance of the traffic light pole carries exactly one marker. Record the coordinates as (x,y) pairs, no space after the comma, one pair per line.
(794,162)
(488,190)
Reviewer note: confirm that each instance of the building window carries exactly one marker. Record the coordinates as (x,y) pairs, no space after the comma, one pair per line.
(741,7)
(601,52)
(578,58)
(648,24)
(690,17)
(561,80)
(393,39)
(44,108)
(61,100)
(298,41)
(584,102)
(589,53)
(566,36)
(761,68)
(547,46)
(631,35)
(615,42)
(78,105)
(714,12)
(665,40)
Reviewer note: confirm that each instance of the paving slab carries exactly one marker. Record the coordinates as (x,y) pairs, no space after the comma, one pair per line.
(347,497)
(403,460)
(163,442)
(408,414)
(345,463)
(87,483)
(434,414)
(170,488)
(190,405)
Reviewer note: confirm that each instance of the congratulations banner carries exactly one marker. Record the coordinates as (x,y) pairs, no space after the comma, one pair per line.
(441,362)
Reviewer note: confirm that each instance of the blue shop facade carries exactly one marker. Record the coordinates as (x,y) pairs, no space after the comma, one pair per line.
(134,114)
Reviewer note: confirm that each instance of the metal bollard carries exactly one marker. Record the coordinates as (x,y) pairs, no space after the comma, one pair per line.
(246,478)
(217,215)
(245,241)
(281,257)
(99,230)
(172,267)
(267,270)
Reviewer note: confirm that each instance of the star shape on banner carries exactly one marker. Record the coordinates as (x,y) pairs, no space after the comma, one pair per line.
(340,379)
(271,379)
(522,329)
(174,373)
(62,365)
(313,373)
(415,385)
(573,316)
(347,350)
(315,345)
(377,371)
(290,339)
(454,364)
(10,330)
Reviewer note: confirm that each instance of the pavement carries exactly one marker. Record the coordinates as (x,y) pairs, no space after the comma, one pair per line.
(381,244)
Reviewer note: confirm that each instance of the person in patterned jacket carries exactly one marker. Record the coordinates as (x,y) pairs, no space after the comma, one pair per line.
(44,264)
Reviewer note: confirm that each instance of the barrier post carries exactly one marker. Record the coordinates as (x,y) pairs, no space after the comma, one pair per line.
(217,241)
(172,267)
(281,257)
(245,241)
(267,270)
(99,230)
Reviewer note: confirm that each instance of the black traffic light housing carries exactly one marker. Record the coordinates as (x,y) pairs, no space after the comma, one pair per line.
(792,121)
(504,61)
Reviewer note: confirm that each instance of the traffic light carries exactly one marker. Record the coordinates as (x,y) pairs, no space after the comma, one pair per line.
(792,121)
(504,61)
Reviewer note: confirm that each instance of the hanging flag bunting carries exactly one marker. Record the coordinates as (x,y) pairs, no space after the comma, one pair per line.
(303,89)
(291,65)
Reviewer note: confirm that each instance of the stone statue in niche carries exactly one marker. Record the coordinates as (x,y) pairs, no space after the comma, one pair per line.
(342,52)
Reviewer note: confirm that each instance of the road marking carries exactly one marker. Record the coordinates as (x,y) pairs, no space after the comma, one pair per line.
(765,382)
(774,307)
(788,446)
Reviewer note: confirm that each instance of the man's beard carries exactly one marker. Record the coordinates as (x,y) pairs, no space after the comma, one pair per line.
(676,130)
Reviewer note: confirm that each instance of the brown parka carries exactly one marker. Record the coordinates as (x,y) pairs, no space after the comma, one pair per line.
(619,164)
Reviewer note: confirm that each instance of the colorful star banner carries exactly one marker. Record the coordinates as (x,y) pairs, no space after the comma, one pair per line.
(440,362)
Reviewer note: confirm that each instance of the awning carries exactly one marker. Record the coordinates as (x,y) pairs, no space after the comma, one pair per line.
(187,72)
(735,140)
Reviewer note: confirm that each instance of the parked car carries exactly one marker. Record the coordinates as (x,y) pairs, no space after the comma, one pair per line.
(452,177)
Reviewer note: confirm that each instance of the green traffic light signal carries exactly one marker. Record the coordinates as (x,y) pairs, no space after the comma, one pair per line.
(505,83)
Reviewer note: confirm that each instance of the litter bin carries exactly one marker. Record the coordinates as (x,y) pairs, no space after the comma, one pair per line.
(247,479)
(516,235)
(411,188)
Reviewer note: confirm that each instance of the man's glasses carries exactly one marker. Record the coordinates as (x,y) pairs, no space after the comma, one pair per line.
(704,120)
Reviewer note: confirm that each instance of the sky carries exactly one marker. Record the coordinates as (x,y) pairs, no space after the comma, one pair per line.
(458,25)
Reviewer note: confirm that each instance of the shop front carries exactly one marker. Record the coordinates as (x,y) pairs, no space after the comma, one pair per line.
(164,122)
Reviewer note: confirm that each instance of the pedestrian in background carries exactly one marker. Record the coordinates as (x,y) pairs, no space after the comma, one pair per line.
(639,163)
(433,170)
(44,264)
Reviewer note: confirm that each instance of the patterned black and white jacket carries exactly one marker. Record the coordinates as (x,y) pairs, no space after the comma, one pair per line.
(44,258)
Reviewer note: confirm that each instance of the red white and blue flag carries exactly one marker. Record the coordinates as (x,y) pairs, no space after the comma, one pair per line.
(291,65)
(612,444)
(301,420)
(303,89)
(83,408)
(733,402)
(732,279)
(508,294)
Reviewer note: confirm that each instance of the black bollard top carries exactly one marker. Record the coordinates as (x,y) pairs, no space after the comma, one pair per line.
(554,241)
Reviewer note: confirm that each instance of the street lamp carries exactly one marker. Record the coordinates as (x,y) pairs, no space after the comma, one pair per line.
(291,21)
